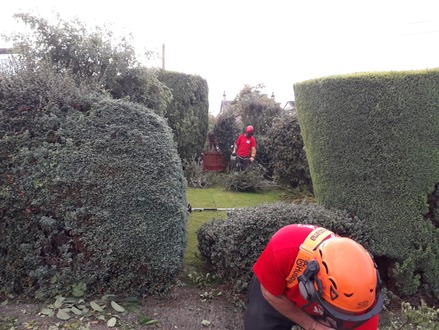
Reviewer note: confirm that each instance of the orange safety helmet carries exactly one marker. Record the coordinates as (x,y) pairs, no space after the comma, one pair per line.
(347,273)
(249,130)
(343,278)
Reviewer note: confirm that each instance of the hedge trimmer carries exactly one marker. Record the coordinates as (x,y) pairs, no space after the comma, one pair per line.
(190,209)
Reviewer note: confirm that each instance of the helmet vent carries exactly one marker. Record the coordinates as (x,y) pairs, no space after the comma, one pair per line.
(326,267)
(348,295)
(333,283)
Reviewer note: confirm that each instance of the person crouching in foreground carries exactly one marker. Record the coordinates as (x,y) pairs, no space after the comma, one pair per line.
(310,277)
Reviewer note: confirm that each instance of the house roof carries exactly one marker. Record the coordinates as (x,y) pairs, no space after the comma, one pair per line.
(290,105)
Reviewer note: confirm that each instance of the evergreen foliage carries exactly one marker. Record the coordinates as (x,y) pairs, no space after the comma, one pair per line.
(231,246)
(372,142)
(91,191)
(94,58)
(226,131)
(285,146)
(256,109)
(141,85)
(188,113)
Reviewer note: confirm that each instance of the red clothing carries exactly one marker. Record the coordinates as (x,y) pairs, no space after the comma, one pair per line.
(244,145)
(276,262)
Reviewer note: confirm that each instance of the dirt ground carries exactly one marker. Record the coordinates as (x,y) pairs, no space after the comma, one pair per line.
(183,308)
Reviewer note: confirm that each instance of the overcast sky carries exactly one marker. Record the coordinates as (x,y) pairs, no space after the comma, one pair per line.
(231,43)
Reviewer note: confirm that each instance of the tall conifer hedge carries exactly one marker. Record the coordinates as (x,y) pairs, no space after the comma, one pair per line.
(188,113)
(372,142)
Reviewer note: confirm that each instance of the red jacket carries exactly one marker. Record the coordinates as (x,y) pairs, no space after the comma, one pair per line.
(244,145)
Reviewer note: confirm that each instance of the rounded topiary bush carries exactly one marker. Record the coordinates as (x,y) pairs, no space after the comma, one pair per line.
(231,246)
(94,197)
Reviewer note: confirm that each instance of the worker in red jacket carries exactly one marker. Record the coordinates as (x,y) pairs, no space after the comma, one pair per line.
(310,277)
(245,148)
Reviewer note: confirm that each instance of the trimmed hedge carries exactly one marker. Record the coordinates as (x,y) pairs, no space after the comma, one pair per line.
(95,196)
(372,142)
(231,246)
(188,112)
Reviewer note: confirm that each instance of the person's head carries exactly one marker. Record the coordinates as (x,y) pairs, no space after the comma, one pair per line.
(343,278)
(249,130)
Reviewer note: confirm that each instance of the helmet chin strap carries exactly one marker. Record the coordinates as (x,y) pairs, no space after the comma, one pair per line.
(307,287)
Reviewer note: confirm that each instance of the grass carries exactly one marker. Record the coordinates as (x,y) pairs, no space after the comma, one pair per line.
(216,198)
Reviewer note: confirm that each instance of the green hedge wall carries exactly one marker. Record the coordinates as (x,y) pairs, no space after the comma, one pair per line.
(95,196)
(372,142)
(188,113)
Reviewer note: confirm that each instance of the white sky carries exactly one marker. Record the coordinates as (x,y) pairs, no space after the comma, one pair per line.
(277,43)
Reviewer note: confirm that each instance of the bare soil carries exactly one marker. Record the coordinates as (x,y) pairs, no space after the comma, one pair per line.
(182,308)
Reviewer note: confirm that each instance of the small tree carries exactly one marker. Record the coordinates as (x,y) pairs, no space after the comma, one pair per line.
(226,130)
(288,159)
(256,109)
(94,57)
(188,112)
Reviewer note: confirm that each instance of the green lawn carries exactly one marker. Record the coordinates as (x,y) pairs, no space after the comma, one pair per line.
(216,198)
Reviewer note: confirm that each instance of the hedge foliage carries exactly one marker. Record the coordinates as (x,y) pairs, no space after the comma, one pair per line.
(91,191)
(231,246)
(226,131)
(372,142)
(188,113)
(285,145)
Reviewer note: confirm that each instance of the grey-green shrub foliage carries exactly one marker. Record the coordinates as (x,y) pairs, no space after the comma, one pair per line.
(231,246)
(372,143)
(91,191)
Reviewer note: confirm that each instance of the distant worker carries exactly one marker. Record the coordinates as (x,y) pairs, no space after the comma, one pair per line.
(311,277)
(245,148)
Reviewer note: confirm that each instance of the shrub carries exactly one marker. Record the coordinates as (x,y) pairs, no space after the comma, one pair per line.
(422,317)
(232,246)
(91,190)
(226,132)
(188,112)
(288,158)
(96,197)
(249,180)
(419,271)
(194,174)
(372,142)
